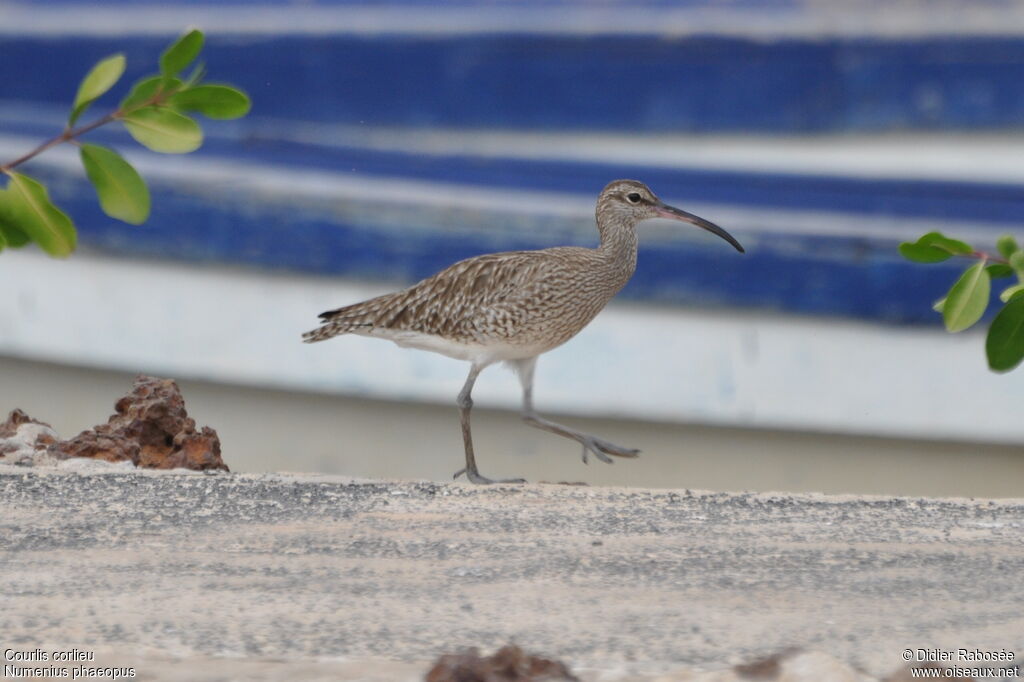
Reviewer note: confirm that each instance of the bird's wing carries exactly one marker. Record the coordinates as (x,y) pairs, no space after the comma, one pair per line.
(472,296)
(478,297)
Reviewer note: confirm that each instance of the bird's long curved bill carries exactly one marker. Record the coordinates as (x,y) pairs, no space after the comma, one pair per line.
(666,211)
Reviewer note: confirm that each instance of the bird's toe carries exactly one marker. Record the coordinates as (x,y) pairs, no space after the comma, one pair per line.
(479,479)
(616,450)
(590,446)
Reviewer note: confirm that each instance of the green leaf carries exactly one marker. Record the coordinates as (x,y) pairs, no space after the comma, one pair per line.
(1004,345)
(12,235)
(1011,292)
(968,299)
(998,271)
(943,242)
(39,218)
(122,192)
(181,53)
(939,305)
(6,208)
(923,253)
(100,79)
(213,101)
(933,247)
(164,130)
(1017,263)
(15,237)
(147,88)
(1007,245)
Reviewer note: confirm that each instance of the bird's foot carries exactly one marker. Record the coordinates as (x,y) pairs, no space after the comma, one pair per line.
(601,448)
(475,477)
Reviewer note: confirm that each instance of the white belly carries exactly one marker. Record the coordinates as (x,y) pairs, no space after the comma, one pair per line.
(479,354)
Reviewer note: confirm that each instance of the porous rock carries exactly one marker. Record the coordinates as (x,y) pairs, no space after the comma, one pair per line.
(150,428)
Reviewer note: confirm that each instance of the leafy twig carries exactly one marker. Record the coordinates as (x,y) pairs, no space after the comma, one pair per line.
(968,299)
(152,112)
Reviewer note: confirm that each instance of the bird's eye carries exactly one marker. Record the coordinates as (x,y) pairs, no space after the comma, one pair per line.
(633,197)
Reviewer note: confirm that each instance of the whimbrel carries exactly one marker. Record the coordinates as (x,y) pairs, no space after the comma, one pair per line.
(512,307)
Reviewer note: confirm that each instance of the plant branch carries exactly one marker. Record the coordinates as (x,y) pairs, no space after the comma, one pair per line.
(68,134)
(72,133)
(986,256)
(978,255)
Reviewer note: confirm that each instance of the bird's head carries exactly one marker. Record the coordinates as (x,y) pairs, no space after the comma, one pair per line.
(630,201)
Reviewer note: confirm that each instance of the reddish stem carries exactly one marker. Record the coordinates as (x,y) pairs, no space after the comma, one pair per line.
(984,255)
(70,134)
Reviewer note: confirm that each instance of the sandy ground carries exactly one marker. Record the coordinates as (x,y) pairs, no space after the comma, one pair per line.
(274,577)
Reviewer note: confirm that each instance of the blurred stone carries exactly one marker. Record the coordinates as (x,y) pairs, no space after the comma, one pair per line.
(765,668)
(789,665)
(151,429)
(814,666)
(25,441)
(508,664)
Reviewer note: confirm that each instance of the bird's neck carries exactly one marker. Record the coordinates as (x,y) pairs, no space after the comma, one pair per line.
(618,248)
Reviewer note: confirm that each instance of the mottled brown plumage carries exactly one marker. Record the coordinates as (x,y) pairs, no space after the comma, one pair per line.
(532,299)
(513,306)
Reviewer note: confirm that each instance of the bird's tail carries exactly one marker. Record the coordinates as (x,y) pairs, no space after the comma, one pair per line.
(326,331)
(345,320)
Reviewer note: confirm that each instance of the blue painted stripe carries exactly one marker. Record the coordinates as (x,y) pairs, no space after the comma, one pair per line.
(521,81)
(847,275)
(996,203)
(855,277)
(944,200)
(632,83)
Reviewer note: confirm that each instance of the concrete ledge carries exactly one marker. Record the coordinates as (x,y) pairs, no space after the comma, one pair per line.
(621,583)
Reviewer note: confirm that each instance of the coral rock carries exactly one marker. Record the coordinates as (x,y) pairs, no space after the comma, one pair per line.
(151,429)
(109,447)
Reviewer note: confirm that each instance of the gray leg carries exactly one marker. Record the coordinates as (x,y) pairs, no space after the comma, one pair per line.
(465,402)
(598,447)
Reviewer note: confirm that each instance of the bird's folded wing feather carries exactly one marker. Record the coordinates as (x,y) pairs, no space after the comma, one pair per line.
(480,297)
